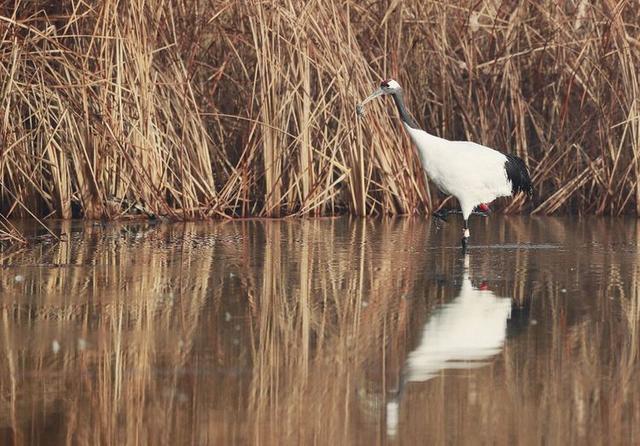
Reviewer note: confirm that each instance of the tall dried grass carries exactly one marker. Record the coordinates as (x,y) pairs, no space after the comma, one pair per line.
(199,108)
(9,233)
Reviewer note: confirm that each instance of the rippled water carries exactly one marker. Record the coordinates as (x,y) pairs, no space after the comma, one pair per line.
(332,331)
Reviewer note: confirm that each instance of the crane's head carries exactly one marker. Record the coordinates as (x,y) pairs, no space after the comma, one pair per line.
(388,86)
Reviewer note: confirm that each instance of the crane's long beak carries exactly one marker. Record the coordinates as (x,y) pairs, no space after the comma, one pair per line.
(375,94)
(372,96)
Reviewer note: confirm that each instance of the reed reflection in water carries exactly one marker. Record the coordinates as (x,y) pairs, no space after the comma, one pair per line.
(295,332)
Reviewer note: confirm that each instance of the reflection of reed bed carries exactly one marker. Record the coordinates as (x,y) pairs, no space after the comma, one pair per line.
(106,334)
(280,332)
(582,387)
(337,388)
(323,346)
(578,384)
(144,333)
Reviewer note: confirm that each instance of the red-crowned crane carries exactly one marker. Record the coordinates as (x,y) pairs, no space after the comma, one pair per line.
(474,174)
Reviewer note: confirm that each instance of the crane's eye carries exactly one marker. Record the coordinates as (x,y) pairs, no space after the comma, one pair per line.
(384,84)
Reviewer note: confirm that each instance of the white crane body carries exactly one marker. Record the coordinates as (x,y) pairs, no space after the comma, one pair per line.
(473,173)
(463,169)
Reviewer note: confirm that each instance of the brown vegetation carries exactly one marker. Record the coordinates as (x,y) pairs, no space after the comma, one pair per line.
(212,108)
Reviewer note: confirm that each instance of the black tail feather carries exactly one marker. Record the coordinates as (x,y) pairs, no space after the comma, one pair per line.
(518,174)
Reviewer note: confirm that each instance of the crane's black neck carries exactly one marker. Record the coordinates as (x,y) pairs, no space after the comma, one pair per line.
(404,114)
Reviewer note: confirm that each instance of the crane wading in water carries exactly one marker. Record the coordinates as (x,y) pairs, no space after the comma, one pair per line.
(472,173)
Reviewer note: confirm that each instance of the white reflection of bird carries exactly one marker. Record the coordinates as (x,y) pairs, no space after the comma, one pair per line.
(459,335)
(474,174)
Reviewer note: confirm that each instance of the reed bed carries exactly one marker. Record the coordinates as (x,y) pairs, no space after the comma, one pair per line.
(211,108)
(9,233)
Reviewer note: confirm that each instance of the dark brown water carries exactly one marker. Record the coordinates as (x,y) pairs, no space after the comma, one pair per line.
(323,332)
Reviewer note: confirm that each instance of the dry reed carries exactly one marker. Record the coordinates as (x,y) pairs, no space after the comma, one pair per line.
(201,108)
(9,233)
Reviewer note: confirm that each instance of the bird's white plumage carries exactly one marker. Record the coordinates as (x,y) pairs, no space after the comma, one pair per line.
(471,172)
(392,85)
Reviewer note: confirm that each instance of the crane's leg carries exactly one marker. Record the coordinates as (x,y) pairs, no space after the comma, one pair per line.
(467,210)
(465,236)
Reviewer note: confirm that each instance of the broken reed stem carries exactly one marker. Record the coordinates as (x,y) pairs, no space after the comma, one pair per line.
(204,108)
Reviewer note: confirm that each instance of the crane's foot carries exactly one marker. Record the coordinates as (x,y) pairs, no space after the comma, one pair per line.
(464,244)
(441,215)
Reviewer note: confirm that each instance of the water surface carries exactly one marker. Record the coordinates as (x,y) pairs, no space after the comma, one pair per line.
(333,331)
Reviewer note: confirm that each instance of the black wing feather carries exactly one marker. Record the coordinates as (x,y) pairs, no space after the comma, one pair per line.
(518,174)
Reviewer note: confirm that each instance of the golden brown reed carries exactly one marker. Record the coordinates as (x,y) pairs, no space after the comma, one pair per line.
(238,332)
(9,233)
(200,108)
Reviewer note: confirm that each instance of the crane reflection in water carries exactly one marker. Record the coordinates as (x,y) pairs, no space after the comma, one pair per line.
(465,333)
